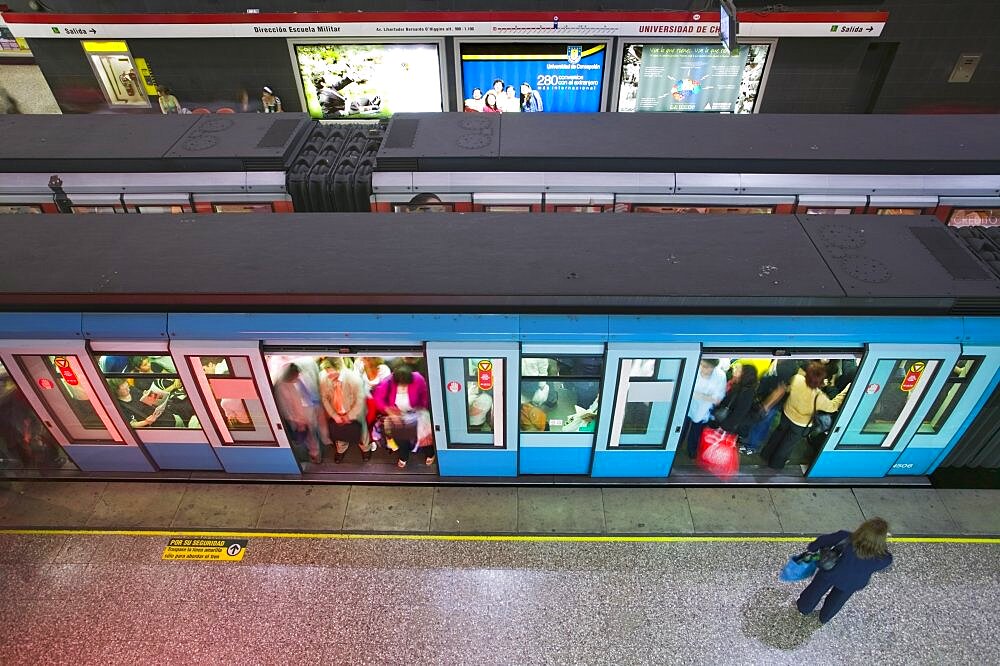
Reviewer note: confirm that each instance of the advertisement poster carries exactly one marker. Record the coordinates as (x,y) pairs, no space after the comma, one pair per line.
(557,77)
(369,80)
(691,77)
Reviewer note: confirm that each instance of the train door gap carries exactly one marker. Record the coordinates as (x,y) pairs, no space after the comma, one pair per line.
(354,411)
(748,396)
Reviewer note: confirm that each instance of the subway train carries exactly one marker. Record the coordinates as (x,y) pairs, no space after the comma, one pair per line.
(557,347)
(663,164)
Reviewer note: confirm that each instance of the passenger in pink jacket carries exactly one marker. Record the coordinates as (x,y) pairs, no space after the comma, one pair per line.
(405,393)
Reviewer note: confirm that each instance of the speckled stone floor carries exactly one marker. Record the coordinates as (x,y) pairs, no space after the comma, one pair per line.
(111,600)
(28,87)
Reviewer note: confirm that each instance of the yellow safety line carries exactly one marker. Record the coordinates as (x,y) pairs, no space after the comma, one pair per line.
(467,537)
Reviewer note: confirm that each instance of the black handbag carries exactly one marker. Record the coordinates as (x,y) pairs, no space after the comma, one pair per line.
(830,556)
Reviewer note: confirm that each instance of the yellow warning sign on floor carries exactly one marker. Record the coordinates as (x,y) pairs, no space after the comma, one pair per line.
(205,549)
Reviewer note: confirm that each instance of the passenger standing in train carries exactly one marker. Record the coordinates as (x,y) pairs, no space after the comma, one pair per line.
(168,103)
(734,412)
(862,553)
(709,390)
(373,371)
(771,393)
(270,102)
(805,398)
(344,399)
(298,398)
(401,397)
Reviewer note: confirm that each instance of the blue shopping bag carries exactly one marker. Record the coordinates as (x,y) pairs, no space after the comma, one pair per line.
(799,567)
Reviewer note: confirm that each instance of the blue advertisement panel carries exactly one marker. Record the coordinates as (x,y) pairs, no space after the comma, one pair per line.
(691,77)
(557,77)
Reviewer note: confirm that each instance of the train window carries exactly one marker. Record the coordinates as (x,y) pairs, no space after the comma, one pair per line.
(704,210)
(894,394)
(829,211)
(229,382)
(640,410)
(424,208)
(974,217)
(97,209)
(506,209)
(314,409)
(67,393)
(900,211)
(581,209)
(954,388)
(25,443)
(559,394)
(242,208)
(165,209)
(148,390)
(11,210)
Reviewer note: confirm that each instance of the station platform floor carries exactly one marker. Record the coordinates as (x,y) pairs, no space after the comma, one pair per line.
(494,575)
(492,509)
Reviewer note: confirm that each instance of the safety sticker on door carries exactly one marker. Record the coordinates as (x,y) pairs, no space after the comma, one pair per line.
(485,375)
(913,376)
(205,549)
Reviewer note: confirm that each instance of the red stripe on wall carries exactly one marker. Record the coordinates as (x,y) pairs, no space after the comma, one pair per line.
(443,17)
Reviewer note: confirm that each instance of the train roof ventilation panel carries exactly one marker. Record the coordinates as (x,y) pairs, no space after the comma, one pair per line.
(402,133)
(279,134)
(941,243)
(440,142)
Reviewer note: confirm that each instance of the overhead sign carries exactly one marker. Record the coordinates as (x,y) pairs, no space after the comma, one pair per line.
(205,549)
(444,24)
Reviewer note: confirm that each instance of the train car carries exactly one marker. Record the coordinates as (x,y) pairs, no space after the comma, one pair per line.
(664,164)
(691,163)
(554,347)
(149,164)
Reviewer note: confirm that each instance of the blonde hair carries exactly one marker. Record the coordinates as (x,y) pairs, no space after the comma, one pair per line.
(869,539)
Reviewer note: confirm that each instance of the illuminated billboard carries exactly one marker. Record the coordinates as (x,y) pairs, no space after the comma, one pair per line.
(369,80)
(691,77)
(559,77)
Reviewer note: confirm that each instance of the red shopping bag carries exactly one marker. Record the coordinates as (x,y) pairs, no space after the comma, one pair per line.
(717,453)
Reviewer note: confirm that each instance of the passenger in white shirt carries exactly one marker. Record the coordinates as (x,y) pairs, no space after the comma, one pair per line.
(709,390)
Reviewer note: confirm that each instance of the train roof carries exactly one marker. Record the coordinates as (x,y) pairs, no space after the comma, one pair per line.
(693,143)
(97,143)
(493,263)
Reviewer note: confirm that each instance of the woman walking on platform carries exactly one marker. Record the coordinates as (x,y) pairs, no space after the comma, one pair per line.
(862,553)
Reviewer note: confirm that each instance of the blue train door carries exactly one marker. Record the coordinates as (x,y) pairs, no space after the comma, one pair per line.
(236,405)
(893,390)
(969,381)
(63,386)
(558,404)
(473,404)
(647,388)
